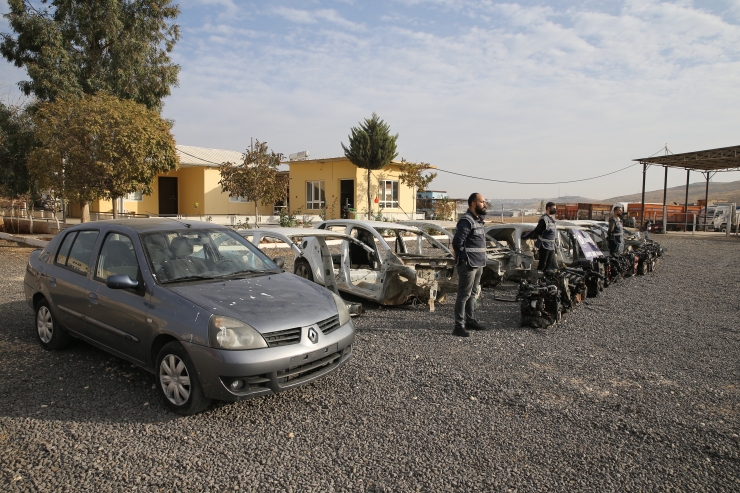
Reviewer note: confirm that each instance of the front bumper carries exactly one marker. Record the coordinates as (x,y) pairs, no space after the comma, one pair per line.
(270,370)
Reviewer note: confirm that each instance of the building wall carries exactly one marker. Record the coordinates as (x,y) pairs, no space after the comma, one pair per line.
(332,171)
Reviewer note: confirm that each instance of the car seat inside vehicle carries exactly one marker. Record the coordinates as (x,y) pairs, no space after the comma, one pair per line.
(119,258)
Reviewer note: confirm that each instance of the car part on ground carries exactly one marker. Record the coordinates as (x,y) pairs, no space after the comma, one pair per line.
(194,303)
(540,302)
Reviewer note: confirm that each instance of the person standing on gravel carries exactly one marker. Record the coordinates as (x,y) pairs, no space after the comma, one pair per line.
(544,233)
(615,232)
(469,249)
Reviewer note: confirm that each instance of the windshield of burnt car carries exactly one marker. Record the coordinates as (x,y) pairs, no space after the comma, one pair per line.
(183,255)
(414,242)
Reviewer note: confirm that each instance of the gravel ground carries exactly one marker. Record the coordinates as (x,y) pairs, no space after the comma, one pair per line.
(636,390)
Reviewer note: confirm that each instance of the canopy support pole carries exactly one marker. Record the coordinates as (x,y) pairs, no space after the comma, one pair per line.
(665,196)
(706,203)
(686,202)
(642,207)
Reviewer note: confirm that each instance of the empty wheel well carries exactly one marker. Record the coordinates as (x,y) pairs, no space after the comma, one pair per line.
(157,345)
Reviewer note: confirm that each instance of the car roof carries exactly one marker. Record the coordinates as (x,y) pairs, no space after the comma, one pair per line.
(431,222)
(292,231)
(370,224)
(144,224)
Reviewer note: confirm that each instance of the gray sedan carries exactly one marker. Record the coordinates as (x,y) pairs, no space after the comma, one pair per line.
(196,304)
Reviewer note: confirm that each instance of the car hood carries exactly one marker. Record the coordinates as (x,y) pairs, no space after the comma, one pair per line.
(267,303)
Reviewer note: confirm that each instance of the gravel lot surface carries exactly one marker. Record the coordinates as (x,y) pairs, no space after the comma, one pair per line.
(637,390)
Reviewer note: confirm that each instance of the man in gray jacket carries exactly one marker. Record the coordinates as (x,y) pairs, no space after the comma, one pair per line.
(469,247)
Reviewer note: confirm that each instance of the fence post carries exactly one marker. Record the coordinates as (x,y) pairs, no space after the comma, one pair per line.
(693,227)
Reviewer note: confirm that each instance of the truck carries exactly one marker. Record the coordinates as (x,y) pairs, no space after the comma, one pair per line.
(722,216)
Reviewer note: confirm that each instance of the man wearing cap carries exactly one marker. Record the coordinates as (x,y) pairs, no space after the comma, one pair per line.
(469,248)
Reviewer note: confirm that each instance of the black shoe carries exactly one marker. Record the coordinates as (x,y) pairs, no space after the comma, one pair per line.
(474,325)
(461,332)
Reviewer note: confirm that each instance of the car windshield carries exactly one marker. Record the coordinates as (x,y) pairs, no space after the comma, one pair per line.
(196,254)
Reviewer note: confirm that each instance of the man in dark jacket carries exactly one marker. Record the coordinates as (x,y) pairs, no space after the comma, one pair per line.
(469,246)
(545,233)
(615,232)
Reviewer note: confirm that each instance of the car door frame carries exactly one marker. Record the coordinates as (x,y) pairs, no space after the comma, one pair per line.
(132,339)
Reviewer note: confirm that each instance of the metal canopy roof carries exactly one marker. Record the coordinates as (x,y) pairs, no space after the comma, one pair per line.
(722,159)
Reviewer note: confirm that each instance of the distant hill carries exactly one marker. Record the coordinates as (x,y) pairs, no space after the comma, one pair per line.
(726,192)
(535,203)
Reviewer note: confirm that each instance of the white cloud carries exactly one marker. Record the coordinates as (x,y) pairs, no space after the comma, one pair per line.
(312,17)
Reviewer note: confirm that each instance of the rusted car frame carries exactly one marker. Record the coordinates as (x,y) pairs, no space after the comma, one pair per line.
(407,263)
(313,259)
(500,259)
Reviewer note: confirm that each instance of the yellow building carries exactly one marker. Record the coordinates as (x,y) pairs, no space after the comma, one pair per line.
(316,185)
(192,190)
(334,182)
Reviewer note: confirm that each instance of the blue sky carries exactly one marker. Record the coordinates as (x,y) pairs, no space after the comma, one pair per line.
(528,90)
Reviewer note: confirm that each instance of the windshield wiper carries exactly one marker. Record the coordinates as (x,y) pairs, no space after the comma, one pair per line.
(243,272)
(187,278)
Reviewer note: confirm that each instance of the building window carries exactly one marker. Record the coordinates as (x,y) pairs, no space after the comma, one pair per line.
(234,198)
(388,194)
(135,197)
(315,198)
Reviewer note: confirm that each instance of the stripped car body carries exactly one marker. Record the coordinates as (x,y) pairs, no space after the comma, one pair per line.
(500,259)
(313,259)
(417,266)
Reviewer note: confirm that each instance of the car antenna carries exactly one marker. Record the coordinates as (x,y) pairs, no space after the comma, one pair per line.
(171,219)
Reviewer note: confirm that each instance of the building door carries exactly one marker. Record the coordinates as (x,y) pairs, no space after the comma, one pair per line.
(347,193)
(167,196)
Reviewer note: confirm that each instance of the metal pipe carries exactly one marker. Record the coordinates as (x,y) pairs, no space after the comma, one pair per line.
(706,204)
(665,196)
(686,206)
(642,209)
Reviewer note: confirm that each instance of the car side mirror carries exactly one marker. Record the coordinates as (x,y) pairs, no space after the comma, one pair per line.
(279,262)
(121,281)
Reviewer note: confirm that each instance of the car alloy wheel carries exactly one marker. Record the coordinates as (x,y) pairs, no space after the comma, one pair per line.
(175,380)
(178,381)
(51,335)
(44,324)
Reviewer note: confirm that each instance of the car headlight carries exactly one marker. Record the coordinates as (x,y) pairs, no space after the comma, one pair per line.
(229,333)
(341,308)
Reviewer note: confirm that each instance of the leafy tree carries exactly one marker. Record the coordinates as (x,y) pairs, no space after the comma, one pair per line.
(76,47)
(256,177)
(100,147)
(444,209)
(371,147)
(16,141)
(412,175)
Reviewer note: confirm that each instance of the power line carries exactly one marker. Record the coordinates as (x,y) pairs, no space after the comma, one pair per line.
(534,182)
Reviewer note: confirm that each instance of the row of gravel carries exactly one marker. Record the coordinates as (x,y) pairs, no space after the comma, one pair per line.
(636,390)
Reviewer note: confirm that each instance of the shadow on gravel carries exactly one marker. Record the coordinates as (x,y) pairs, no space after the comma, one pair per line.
(78,383)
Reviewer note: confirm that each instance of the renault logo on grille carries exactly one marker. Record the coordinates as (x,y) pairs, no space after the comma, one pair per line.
(313,335)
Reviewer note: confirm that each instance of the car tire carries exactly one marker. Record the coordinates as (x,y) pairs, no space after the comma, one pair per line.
(303,269)
(177,381)
(51,335)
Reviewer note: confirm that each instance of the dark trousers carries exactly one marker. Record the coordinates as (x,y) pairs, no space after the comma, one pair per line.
(467,289)
(614,247)
(547,260)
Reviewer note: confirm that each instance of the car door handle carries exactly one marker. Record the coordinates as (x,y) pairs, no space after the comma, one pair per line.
(93,298)
(53,282)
